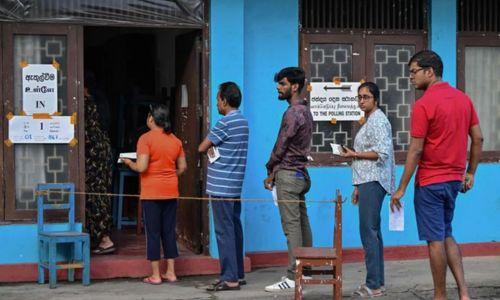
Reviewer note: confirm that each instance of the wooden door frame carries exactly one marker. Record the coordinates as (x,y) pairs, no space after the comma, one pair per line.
(80,106)
(4,137)
(72,53)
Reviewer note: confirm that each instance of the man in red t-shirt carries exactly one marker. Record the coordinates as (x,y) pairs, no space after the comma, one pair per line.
(442,119)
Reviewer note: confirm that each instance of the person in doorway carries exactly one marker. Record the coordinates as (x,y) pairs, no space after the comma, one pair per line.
(98,179)
(286,169)
(373,176)
(224,182)
(160,160)
(441,121)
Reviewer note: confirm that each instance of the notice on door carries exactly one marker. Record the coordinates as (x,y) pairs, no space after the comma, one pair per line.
(335,101)
(29,130)
(39,89)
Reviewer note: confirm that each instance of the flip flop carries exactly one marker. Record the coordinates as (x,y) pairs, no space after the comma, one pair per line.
(222,286)
(148,280)
(240,281)
(101,250)
(164,279)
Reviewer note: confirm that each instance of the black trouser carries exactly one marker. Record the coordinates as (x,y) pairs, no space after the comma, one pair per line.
(159,221)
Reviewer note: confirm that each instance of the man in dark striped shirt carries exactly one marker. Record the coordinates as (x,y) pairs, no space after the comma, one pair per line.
(228,138)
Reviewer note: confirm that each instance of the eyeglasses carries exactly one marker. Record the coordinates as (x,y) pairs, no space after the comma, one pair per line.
(415,71)
(363,97)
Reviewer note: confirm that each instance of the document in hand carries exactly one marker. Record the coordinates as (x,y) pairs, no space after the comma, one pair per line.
(129,155)
(213,154)
(275,196)
(397,219)
(336,148)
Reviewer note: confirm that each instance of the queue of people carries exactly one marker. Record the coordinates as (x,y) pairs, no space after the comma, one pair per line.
(441,122)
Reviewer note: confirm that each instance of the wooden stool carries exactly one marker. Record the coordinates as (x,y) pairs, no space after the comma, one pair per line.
(330,258)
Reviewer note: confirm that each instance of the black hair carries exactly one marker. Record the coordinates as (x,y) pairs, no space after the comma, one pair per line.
(230,92)
(161,116)
(373,89)
(428,59)
(293,75)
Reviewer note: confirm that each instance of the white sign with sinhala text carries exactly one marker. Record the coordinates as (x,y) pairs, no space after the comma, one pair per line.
(26,130)
(39,89)
(335,101)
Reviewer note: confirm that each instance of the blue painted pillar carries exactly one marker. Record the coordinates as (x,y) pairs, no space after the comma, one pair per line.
(271,43)
(226,63)
(443,36)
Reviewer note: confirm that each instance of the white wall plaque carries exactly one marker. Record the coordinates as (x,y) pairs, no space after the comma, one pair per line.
(39,89)
(329,100)
(26,130)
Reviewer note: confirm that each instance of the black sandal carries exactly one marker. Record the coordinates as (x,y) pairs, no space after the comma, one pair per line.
(222,286)
(101,250)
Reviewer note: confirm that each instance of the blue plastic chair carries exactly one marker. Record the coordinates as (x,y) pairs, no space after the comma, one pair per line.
(48,240)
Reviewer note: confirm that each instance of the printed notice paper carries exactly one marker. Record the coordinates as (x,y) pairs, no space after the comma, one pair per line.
(397,219)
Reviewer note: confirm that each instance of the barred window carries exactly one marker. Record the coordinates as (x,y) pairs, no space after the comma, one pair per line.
(363,40)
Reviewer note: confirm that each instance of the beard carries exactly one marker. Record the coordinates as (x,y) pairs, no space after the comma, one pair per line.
(284,95)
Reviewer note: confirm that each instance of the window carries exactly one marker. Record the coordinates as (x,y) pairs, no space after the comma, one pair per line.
(376,48)
(26,165)
(478,23)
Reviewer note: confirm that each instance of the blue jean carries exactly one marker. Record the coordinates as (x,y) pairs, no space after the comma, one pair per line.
(371,196)
(229,234)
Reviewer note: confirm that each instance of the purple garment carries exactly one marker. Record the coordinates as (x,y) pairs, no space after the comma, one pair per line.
(293,144)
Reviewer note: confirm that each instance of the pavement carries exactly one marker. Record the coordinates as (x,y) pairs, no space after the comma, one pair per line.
(404,280)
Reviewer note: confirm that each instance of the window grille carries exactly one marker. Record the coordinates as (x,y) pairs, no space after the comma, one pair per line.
(401,15)
(478,15)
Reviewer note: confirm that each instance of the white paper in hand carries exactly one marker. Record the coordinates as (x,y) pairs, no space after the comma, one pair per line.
(397,219)
(275,195)
(213,154)
(129,155)
(336,148)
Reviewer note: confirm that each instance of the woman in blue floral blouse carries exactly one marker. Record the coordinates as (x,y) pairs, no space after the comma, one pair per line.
(373,178)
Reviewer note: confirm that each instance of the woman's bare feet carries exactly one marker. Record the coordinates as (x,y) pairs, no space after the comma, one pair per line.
(106,242)
(169,277)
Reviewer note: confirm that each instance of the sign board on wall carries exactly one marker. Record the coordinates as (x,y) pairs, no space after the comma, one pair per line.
(335,101)
(53,130)
(39,88)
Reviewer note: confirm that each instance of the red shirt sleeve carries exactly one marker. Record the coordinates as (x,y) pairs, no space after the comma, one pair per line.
(143,145)
(474,118)
(419,121)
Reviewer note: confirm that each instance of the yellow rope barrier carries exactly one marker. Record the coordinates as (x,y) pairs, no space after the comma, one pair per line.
(192,198)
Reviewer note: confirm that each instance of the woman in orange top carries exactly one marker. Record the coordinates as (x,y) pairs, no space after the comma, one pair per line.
(160,160)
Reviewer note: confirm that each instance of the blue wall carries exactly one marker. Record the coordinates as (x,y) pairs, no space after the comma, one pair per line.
(19,242)
(226,63)
(443,36)
(271,42)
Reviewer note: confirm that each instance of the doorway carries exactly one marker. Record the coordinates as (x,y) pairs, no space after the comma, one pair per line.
(131,68)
